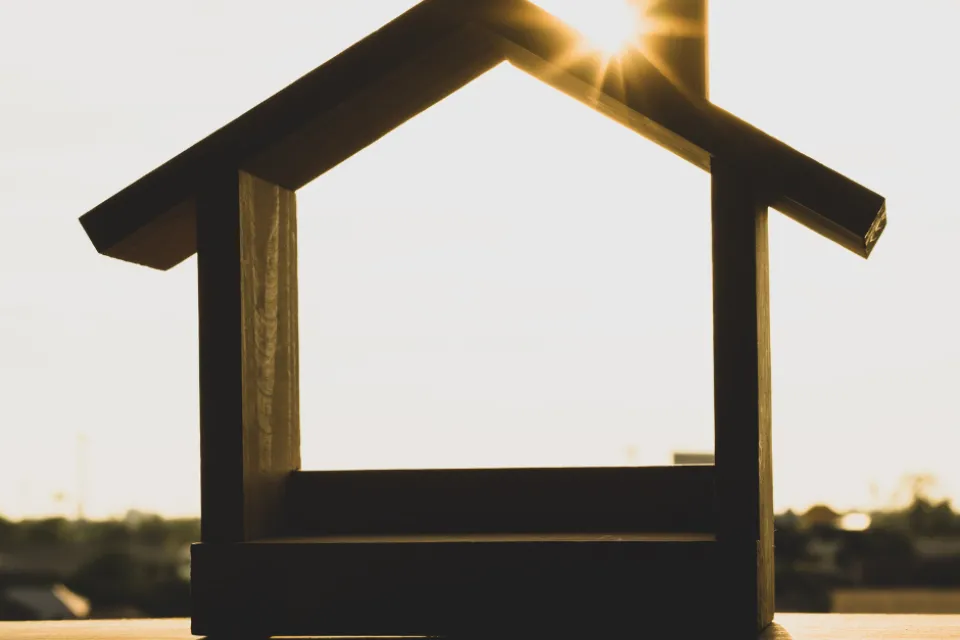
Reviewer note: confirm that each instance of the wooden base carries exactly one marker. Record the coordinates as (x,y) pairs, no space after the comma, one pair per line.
(678,499)
(455,585)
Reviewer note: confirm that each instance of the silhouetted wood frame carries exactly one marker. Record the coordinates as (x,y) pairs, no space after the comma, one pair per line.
(249,357)
(292,552)
(742,406)
(464,501)
(417,60)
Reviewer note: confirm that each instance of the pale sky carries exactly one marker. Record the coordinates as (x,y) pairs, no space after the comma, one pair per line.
(508,279)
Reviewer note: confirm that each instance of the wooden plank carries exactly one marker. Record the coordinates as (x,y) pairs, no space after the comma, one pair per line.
(380,82)
(472,589)
(742,406)
(361,119)
(798,626)
(249,402)
(636,93)
(652,499)
(444,538)
(678,43)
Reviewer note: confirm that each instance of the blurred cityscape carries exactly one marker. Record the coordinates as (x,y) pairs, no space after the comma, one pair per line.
(894,560)
(55,568)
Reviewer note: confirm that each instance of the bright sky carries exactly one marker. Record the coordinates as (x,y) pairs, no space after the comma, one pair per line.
(555,312)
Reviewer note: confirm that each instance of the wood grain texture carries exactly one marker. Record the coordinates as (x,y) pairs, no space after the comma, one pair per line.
(651,499)
(742,404)
(249,402)
(430,52)
(468,589)
(796,626)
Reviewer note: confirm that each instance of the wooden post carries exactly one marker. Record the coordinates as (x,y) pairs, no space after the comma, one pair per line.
(249,385)
(741,347)
(681,42)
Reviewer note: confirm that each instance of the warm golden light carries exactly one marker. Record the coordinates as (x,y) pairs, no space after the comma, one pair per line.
(610,26)
(855,522)
(611,29)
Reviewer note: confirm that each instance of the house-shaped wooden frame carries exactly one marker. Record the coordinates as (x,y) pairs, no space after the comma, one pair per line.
(468,552)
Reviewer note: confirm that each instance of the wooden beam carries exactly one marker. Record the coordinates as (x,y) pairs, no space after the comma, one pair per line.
(249,389)
(371,112)
(742,405)
(316,122)
(470,588)
(603,499)
(678,42)
(636,93)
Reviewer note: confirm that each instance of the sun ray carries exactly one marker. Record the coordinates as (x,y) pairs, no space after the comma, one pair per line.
(674,26)
(609,27)
(614,29)
(661,65)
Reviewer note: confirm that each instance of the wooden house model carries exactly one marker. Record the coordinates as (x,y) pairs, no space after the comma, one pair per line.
(469,551)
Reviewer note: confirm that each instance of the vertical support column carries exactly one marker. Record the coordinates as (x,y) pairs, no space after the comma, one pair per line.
(680,42)
(741,347)
(249,382)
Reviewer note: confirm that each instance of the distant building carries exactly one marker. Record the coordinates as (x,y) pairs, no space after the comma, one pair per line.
(693,458)
(906,600)
(55,561)
(788,519)
(822,556)
(937,548)
(820,516)
(42,602)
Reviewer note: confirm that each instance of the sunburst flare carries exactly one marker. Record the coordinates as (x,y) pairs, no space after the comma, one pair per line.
(612,29)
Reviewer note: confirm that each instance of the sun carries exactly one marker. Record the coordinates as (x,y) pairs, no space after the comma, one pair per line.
(608,26)
(613,31)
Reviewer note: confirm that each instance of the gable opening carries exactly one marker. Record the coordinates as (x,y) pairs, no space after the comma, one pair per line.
(509,279)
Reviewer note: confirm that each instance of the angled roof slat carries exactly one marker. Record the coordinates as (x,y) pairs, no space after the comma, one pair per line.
(148,221)
(335,134)
(642,97)
(415,61)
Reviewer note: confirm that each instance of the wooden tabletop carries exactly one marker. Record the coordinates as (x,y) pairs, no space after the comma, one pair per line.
(788,626)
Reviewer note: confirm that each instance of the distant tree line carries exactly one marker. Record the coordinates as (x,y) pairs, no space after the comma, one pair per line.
(123,566)
(134,529)
(883,556)
(924,517)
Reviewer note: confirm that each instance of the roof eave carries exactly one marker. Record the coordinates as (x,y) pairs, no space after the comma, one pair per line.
(636,93)
(415,60)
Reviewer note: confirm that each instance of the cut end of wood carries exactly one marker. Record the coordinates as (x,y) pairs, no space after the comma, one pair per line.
(161,242)
(876,229)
